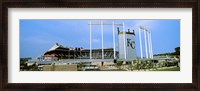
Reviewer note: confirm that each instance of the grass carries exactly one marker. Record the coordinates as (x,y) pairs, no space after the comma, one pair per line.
(169,69)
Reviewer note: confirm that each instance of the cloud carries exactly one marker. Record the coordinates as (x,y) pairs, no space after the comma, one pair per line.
(149,24)
(95,40)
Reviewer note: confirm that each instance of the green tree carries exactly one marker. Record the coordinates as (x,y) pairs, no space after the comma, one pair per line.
(177,50)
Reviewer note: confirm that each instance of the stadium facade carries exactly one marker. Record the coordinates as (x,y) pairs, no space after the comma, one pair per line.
(58,52)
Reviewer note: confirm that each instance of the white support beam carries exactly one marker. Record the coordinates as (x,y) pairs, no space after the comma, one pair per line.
(145,43)
(90,40)
(149,45)
(124,41)
(102,39)
(141,54)
(113,28)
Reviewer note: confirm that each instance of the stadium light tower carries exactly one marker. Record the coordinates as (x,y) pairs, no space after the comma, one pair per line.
(113,29)
(90,40)
(147,41)
(151,49)
(141,54)
(102,40)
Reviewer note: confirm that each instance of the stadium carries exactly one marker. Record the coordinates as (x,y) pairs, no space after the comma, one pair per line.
(59,52)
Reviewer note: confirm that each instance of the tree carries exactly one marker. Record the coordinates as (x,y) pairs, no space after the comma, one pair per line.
(177,50)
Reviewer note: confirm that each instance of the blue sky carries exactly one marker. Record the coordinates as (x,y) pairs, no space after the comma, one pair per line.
(38,36)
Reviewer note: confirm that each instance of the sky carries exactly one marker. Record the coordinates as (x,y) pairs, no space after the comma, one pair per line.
(38,36)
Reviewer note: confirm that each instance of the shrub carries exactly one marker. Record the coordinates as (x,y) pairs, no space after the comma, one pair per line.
(80,65)
(119,63)
(138,64)
(129,62)
(131,67)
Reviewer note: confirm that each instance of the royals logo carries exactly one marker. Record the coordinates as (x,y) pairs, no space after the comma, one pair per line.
(130,43)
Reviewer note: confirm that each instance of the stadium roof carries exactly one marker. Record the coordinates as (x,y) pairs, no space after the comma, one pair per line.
(54,47)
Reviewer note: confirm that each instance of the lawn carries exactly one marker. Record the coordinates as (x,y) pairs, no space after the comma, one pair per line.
(168,69)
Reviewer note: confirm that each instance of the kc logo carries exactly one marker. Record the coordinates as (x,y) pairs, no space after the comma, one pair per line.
(130,43)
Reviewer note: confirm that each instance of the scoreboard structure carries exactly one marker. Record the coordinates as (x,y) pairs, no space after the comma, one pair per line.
(127,45)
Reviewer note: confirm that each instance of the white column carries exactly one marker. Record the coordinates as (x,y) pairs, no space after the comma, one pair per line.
(145,43)
(90,40)
(113,27)
(124,41)
(148,37)
(102,39)
(151,45)
(141,55)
